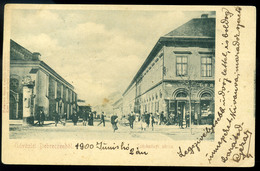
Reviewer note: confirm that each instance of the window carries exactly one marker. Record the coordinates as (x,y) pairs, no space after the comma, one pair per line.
(55,89)
(14,84)
(47,85)
(206,66)
(67,94)
(70,96)
(61,91)
(181,65)
(181,94)
(156,106)
(205,95)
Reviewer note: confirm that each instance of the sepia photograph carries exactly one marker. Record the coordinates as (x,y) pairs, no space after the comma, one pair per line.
(135,79)
(91,74)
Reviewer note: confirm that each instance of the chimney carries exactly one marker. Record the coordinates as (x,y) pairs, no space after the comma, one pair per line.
(204,15)
(36,56)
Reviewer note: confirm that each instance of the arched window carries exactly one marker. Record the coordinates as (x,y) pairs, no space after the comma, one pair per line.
(181,94)
(205,95)
(14,84)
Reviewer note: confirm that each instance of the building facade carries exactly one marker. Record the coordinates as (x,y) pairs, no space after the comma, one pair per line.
(178,74)
(118,107)
(51,92)
(83,107)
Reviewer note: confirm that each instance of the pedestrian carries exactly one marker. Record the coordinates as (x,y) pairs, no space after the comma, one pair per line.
(63,119)
(210,116)
(84,117)
(56,118)
(171,119)
(196,118)
(147,120)
(180,119)
(187,119)
(157,117)
(102,119)
(131,119)
(114,120)
(161,118)
(74,117)
(91,118)
(152,120)
(143,123)
(41,117)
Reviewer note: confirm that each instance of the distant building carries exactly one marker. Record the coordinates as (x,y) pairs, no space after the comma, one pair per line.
(118,107)
(51,91)
(181,63)
(83,106)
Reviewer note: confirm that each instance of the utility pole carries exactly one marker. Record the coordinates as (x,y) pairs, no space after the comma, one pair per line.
(190,105)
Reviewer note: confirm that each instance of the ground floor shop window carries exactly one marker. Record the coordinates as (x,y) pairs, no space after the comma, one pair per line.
(207,112)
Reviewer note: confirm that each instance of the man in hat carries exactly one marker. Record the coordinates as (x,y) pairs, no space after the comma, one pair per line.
(102,119)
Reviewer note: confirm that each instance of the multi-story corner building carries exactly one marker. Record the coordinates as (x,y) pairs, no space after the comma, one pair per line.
(51,92)
(178,71)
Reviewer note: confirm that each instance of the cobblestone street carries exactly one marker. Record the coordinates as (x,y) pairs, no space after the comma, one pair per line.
(49,131)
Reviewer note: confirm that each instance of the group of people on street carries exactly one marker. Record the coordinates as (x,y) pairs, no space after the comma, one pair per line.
(146,119)
(88,117)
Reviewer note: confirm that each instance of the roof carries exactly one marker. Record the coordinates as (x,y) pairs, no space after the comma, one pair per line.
(48,68)
(19,54)
(197,29)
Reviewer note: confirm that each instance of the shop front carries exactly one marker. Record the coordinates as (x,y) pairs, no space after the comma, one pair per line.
(178,109)
(206,109)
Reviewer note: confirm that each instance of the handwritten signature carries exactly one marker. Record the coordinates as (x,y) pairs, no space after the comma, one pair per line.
(239,148)
(238,145)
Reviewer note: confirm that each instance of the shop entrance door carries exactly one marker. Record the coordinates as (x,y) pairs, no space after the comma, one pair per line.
(13,108)
(181,109)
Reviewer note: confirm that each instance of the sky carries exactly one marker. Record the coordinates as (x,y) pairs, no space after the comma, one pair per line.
(97,51)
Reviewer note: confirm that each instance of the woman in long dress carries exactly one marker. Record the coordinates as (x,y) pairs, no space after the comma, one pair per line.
(114,120)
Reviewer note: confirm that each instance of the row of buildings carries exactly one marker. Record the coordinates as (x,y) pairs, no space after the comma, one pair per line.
(179,71)
(48,91)
(177,75)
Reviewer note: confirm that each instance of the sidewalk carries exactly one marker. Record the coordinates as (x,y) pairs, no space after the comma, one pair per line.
(20,122)
(17,123)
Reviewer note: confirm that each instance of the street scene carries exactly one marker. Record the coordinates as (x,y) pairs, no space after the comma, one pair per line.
(81,132)
(93,79)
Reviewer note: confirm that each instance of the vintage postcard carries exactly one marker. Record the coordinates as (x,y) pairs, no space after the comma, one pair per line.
(129,85)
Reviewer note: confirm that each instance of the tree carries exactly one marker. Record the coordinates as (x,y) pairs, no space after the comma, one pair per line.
(189,84)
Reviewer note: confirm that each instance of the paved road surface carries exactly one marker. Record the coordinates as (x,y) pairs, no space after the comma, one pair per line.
(49,131)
